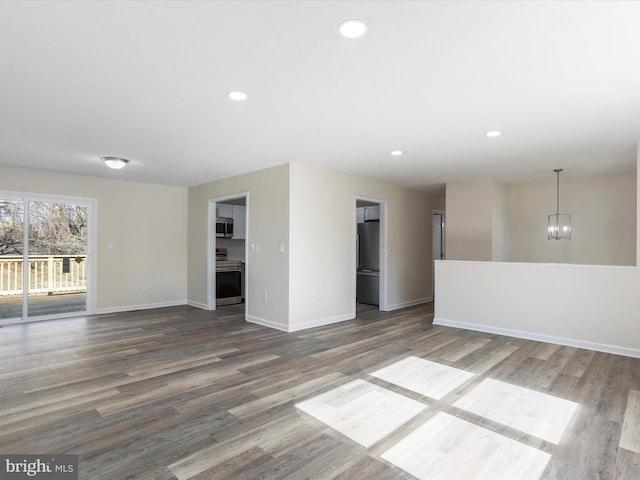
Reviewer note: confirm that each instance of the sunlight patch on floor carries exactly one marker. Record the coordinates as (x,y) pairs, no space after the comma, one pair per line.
(630,437)
(362,411)
(447,447)
(535,413)
(424,377)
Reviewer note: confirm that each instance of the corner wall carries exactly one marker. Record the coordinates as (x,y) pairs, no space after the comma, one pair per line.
(311,211)
(267,226)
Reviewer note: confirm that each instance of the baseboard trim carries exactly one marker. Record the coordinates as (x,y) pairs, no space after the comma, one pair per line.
(321,322)
(301,326)
(267,323)
(142,306)
(569,342)
(411,303)
(202,306)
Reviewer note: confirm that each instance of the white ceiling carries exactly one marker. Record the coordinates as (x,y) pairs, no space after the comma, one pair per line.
(148,81)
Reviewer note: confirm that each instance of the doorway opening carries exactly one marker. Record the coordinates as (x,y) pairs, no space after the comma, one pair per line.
(46,252)
(439,242)
(227,252)
(370,254)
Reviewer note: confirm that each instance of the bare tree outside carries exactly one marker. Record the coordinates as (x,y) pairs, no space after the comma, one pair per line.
(56,262)
(57,229)
(54,228)
(11,227)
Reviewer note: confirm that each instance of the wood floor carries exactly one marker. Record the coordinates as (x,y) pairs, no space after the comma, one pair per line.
(180,393)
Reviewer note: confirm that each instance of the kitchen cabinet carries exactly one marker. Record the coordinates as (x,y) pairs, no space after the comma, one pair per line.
(371,213)
(224,210)
(366,214)
(239,222)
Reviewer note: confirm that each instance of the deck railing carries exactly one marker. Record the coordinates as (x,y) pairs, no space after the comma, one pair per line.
(48,274)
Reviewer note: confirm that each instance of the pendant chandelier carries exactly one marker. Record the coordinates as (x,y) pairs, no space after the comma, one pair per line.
(559,226)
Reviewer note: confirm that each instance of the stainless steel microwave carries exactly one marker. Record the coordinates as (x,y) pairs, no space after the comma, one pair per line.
(224,227)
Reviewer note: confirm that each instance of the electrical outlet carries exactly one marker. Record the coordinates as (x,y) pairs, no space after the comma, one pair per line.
(149,285)
(264,295)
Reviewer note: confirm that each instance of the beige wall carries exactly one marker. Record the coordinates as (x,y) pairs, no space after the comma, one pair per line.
(603,220)
(322,244)
(311,212)
(470,220)
(267,226)
(491,221)
(439,202)
(501,236)
(144,223)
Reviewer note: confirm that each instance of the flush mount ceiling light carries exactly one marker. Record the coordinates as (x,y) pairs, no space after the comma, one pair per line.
(352,28)
(236,95)
(559,224)
(396,153)
(116,163)
(493,133)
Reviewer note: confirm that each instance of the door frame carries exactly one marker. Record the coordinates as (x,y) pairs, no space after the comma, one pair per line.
(383,251)
(211,249)
(91,261)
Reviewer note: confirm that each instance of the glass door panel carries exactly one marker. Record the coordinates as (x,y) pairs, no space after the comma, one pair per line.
(57,271)
(11,258)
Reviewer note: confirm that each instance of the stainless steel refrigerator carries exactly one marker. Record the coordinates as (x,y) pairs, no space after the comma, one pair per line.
(368,274)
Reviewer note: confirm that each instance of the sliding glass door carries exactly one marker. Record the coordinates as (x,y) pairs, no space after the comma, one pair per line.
(44,257)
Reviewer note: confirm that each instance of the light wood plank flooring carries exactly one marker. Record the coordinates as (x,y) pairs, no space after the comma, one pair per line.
(180,393)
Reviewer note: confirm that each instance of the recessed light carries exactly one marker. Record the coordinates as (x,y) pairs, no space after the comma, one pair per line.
(352,28)
(396,153)
(493,133)
(235,95)
(116,163)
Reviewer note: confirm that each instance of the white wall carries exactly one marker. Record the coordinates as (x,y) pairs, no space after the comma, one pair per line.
(146,225)
(322,244)
(267,226)
(587,306)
